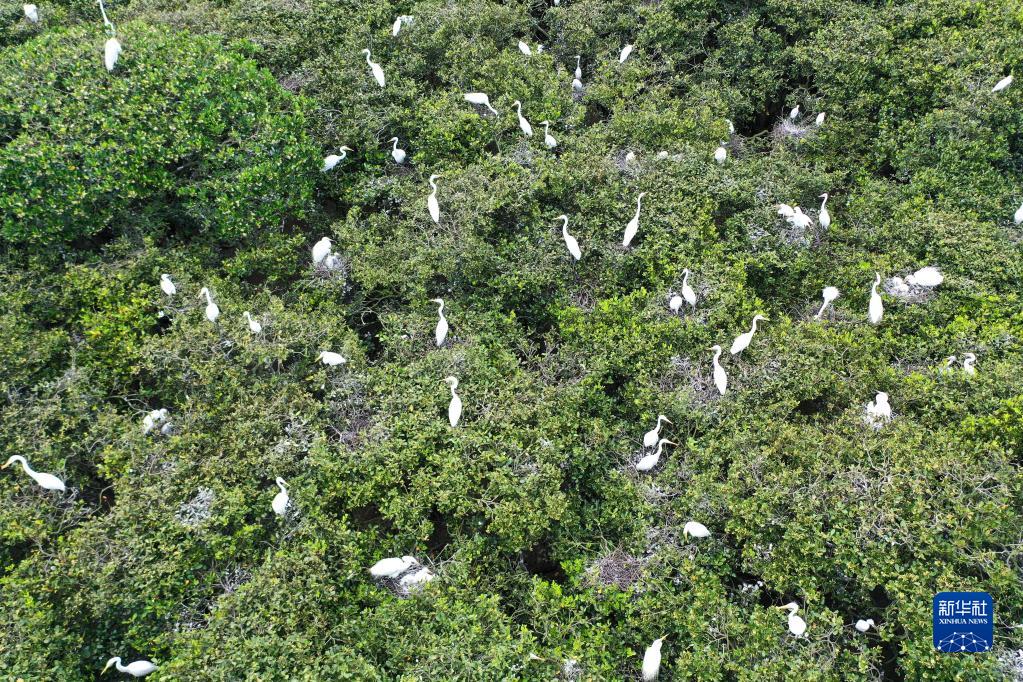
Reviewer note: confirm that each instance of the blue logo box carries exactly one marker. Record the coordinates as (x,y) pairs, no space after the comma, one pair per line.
(964,622)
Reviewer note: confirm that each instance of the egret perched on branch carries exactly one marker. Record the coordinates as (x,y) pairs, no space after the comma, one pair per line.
(675,303)
(864,625)
(391,567)
(415,579)
(650,437)
(167,286)
(396,27)
(397,154)
(742,341)
(548,139)
(212,311)
(570,241)
(523,123)
(968,361)
(282,499)
(321,250)
(455,406)
(829,294)
(633,227)
(820,118)
(879,411)
(332,160)
(797,626)
(928,277)
(481,99)
(578,67)
(731,126)
(135,668)
(650,461)
(626,51)
(45,481)
(524,49)
(687,291)
(577,85)
(1017,217)
(794,114)
(823,216)
(721,154)
(254,326)
(378,73)
(330,358)
(695,529)
(154,419)
(949,361)
(31,13)
(1002,84)
(720,378)
(875,310)
(652,660)
(111,53)
(431,201)
(442,323)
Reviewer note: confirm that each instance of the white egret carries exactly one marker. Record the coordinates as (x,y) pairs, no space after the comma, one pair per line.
(652,660)
(824,216)
(442,323)
(630,157)
(332,160)
(397,154)
(968,361)
(135,668)
(523,123)
(455,406)
(875,310)
(650,461)
(391,567)
(577,85)
(626,51)
(864,625)
(153,419)
(879,410)
(675,303)
(578,67)
(1002,84)
(800,219)
(415,579)
(797,626)
(378,72)
(31,13)
(794,114)
(949,362)
(282,499)
(731,126)
(720,378)
(695,529)
(111,53)
(431,201)
(524,49)
(687,291)
(167,285)
(212,311)
(721,154)
(570,241)
(650,437)
(742,341)
(479,98)
(1017,217)
(396,27)
(45,481)
(548,139)
(332,262)
(330,358)
(820,118)
(633,227)
(254,326)
(829,294)
(321,250)
(786,211)
(928,277)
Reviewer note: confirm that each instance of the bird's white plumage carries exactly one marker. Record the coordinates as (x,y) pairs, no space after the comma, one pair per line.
(577,84)
(524,49)
(570,241)
(652,660)
(721,154)
(480,98)
(254,326)
(391,567)
(578,66)
(397,154)
(695,529)
(633,227)
(875,309)
(455,406)
(396,27)
(441,332)
(431,201)
(376,69)
(321,250)
(824,216)
(969,360)
(720,378)
(1002,84)
(111,53)
(786,211)
(43,480)
(548,139)
(928,277)
(332,160)
(829,294)
(820,118)
(135,668)
(794,114)
(651,436)
(742,341)
(624,54)
(797,626)
(650,461)
(167,286)
(282,499)
(879,410)
(687,291)
(212,310)
(154,419)
(31,13)
(675,303)
(864,625)
(523,123)
(330,358)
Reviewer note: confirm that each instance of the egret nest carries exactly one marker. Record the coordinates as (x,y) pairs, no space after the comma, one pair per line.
(628,162)
(616,569)
(787,129)
(198,510)
(571,670)
(899,288)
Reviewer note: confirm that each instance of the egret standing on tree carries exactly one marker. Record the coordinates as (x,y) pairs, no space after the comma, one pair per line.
(720,378)
(687,291)
(797,626)
(282,499)
(626,51)
(212,311)
(378,72)
(570,241)
(548,139)
(481,99)
(652,660)
(31,13)
(578,67)
(633,227)
(45,481)
(135,668)
(455,406)
(721,154)
(397,154)
(875,310)
(321,250)
(523,123)
(442,323)
(167,286)
(742,341)
(824,217)
(829,294)
(650,461)
(1002,84)
(254,326)
(331,359)
(695,529)
(431,201)
(332,160)
(650,437)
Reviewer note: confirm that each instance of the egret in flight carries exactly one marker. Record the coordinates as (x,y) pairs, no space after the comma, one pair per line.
(45,481)
(720,378)
(875,310)
(254,326)
(442,322)
(378,72)
(321,250)
(397,154)
(331,359)
(455,406)
(570,241)
(829,294)
(548,139)
(481,99)
(633,227)
(742,341)
(523,123)
(332,160)
(797,626)
(650,461)
(431,201)
(1002,84)
(650,437)
(721,154)
(626,51)
(652,660)
(695,529)
(212,311)
(864,625)
(578,67)
(824,216)
(167,286)
(968,361)
(282,499)
(31,13)
(928,277)
(135,668)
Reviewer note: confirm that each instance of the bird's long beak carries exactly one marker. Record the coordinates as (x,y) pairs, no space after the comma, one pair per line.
(106,668)
(5,465)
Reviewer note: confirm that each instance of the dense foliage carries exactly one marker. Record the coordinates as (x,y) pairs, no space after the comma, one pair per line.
(199,156)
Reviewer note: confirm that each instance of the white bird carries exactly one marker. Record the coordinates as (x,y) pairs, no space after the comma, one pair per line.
(1018,215)
(31,13)
(800,219)
(135,668)
(154,418)
(928,277)
(416,579)
(720,378)
(820,118)
(949,361)
(111,53)
(829,294)
(652,660)
(396,27)
(875,310)
(212,311)
(254,326)
(794,114)
(742,341)
(479,98)
(879,410)
(721,154)
(824,216)
(731,126)
(167,285)
(687,291)
(523,123)
(650,461)
(282,499)
(695,529)
(570,241)
(626,51)
(321,250)
(577,84)
(455,407)
(397,154)
(45,481)
(391,567)
(331,359)
(548,139)
(786,211)
(797,626)
(378,73)
(332,262)
(633,227)
(431,201)
(578,66)
(968,361)
(442,323)
(332,160)
(864,625)
(675,303)
(1002,84)
(650,437)
(524,49)
(630,157)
